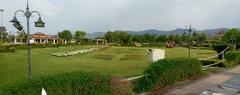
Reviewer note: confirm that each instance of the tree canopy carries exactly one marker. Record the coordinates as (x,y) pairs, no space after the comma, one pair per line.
(232,36)
(66,35)
(79,35)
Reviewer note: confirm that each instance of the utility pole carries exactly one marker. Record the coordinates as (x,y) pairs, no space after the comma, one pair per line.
(28,14)
(1,10)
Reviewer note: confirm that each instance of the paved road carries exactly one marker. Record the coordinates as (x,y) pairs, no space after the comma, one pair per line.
(201,84)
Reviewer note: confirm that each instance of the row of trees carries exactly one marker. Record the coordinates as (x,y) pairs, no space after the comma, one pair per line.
(123,37)
(232,37)
(68,36)
(5,36)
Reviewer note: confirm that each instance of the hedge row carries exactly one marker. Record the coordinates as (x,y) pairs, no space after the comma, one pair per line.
(7,49)
(232,58)
(219,48)
(77,83)
(168,72)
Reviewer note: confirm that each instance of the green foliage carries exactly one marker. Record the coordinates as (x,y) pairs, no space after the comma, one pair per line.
(232,47)
(208,44)
(76,83)
(119,37)
(232,58)
(150,38)
(162,38)
(200,38)
(168,72)
(219,48)
(66,35)
(79,36)
(232,36)
(7,49)
(3,33)
(10,38)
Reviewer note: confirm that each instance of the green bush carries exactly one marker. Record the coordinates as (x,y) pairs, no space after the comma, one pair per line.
(168,72)
(208,44)
(232,47)
(219,48)
(76,83)
(7,49)
(232,58)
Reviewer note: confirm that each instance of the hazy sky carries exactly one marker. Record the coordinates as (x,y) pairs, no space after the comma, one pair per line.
(104,15)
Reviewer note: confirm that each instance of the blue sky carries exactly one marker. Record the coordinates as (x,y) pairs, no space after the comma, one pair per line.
(103,15)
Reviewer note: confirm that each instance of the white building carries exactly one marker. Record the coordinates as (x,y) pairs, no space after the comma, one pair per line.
(39,38)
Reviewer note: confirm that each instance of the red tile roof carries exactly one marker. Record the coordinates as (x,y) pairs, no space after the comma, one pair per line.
(40,35)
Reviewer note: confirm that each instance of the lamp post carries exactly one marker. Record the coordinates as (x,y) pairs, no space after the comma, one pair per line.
(1,10)
(19,27)
(189,30)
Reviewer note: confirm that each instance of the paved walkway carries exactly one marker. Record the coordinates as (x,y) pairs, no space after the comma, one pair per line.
(201,84)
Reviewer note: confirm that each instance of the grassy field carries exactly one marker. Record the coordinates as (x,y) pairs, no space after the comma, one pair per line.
(118,61)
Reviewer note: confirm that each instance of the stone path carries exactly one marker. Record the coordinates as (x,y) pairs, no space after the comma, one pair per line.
(201,84)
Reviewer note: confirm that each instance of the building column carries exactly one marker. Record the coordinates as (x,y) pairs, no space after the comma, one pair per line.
(21,41)
(15,41)
(33,41)
(97,41)
(106,43)
(40,41)
(54,41)
(47,41)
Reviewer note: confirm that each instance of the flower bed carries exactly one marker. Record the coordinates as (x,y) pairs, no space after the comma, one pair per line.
(77,52)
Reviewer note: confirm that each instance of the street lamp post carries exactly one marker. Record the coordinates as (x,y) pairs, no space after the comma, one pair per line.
(1,10)
(19,27)
(189,30)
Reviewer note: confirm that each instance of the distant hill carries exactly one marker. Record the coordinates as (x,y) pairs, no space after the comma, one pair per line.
(179,31)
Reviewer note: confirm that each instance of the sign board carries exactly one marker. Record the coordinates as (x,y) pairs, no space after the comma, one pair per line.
(155,54)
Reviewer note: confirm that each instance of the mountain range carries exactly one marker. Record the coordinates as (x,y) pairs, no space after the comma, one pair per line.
(179,31)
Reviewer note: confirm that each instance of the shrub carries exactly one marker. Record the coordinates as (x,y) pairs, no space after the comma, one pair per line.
(76,83)
(219,48)
(232,47)
(7,49)
(208,44)
(168,72)
(232,58)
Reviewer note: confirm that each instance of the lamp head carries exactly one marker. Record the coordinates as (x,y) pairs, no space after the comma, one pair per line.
(14,20)
(39,23)
(18,26)
(16,23)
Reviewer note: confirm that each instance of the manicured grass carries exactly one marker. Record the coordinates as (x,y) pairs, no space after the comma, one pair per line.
(119,61)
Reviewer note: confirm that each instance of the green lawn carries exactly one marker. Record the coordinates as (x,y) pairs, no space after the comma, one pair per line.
(119,61)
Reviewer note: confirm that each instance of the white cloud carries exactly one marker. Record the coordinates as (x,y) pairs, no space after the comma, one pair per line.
(103,15)
(45,7)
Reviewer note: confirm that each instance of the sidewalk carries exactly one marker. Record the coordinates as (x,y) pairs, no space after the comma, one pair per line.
(201,84)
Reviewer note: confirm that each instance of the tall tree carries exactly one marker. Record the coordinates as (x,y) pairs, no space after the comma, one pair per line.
(66,35)
(10,38)
(200,38)
(150,38)
(161,38)
(79,36)
(3,34)
(138,38)
(232,36)
(109,36)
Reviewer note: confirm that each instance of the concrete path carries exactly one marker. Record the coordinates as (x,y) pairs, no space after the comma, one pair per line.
(199,85)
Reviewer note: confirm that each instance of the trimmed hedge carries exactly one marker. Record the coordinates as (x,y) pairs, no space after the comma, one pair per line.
(76,83)
(168,72)
(7,49)
(219,48)
(232,58)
